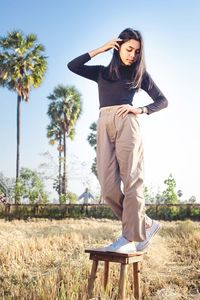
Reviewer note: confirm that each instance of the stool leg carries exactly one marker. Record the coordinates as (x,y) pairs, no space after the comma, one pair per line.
(122,281)
(92,278)
(136,276)
(106,273)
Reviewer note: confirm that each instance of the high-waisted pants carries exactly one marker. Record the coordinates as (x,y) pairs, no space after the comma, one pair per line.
(120,162)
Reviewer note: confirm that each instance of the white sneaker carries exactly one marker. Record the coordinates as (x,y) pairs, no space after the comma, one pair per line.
(121,245)
(150,232)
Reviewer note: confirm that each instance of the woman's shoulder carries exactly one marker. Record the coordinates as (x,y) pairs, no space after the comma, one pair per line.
(145,75)
(146,78)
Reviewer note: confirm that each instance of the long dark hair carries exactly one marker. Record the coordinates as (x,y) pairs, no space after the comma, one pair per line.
(138,68)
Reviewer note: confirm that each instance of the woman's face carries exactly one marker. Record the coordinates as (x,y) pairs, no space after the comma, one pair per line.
(129,52)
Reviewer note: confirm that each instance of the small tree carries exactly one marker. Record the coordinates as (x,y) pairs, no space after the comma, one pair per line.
(92,140)
(192,199)
(170,195)
(31,186)
(148,195)
(7,186)
(69,197)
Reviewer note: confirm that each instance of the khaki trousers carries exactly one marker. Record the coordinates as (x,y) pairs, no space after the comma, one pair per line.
(120,160)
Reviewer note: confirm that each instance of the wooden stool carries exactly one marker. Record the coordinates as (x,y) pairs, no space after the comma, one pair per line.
(124,259)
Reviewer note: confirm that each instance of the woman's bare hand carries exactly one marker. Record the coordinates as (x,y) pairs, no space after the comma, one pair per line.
(111,44)
(107,46)
(123,110)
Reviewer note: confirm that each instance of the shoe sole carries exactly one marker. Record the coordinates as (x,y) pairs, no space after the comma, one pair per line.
(148,242)
(122,251)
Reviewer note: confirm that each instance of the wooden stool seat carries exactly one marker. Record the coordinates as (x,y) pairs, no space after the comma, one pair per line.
(125,258)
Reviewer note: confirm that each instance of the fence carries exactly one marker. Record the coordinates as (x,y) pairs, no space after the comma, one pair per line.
(59,211)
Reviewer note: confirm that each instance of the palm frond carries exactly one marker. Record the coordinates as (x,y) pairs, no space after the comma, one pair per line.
(65,108)
(22,63)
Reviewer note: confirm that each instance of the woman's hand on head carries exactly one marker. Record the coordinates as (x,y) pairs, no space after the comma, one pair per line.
(124,110)
(111,44)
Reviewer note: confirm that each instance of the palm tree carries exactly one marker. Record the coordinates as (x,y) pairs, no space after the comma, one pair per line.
(92,140)
(22,66)
(92,137)
(64,110)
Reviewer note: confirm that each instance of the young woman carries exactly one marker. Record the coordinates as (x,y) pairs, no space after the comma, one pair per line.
(119,142)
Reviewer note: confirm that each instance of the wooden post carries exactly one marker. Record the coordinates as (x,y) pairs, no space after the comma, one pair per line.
(156,211)
(92,278)
(7,211)
(136,277)
(106,273)
(122,281)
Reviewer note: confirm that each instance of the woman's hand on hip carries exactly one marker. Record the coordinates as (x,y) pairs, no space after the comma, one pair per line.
(124,110)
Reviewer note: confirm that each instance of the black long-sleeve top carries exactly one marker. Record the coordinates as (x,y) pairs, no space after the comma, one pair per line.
(116,92)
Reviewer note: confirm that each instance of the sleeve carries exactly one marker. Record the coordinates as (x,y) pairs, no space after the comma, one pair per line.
(78,66)
(159,100)
(91,196)
(81,196)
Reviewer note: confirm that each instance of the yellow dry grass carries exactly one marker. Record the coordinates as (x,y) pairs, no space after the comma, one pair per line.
(45,260)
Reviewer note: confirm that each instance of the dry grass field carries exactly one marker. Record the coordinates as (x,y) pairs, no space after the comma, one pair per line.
(45,260)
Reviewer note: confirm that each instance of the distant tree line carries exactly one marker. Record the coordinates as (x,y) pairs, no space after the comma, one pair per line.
(165,205)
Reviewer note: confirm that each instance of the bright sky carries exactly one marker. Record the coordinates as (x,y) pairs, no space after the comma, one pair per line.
(70,28)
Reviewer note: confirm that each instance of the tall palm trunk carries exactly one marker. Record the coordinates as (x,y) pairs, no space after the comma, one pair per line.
(18,135)
(19,98)
(59,169)
(64,167)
